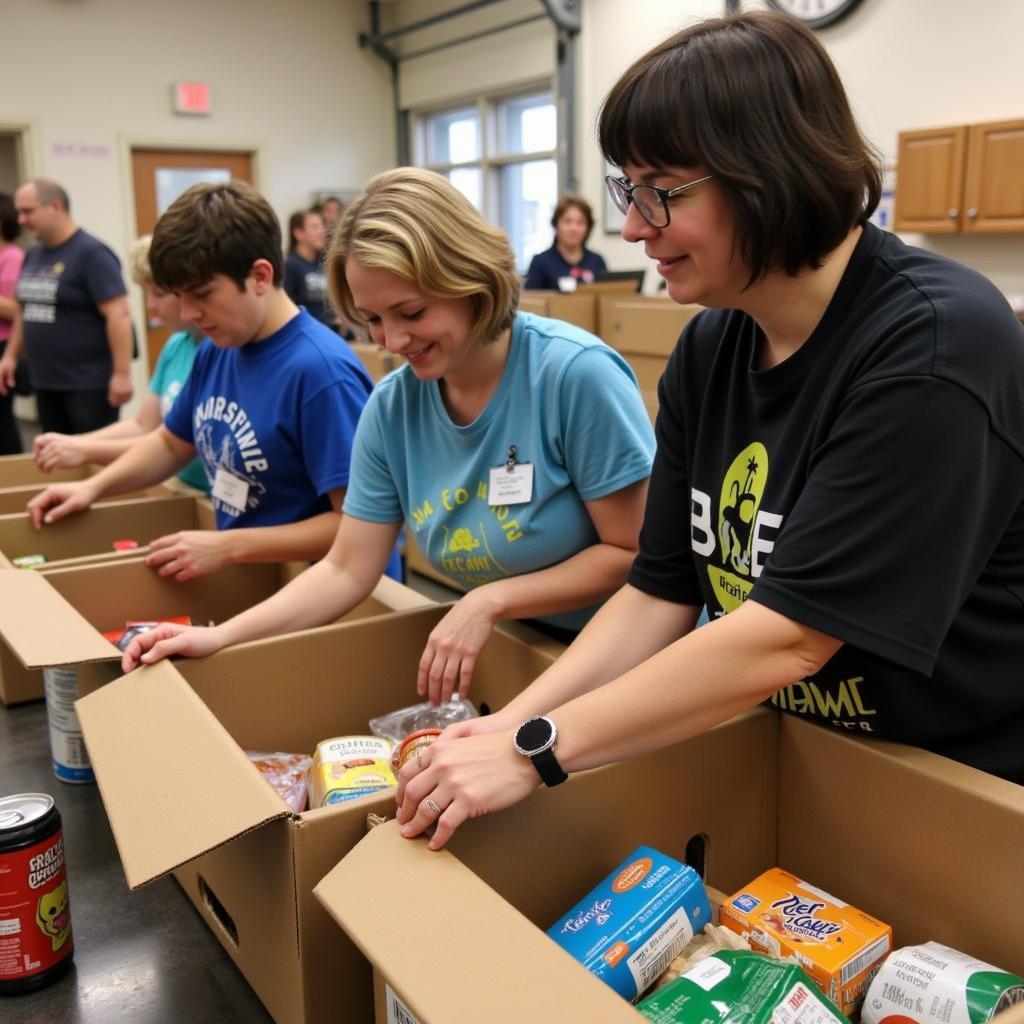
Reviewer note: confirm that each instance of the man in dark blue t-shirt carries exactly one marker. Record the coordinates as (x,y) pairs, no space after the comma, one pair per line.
(73,320)
(270,406)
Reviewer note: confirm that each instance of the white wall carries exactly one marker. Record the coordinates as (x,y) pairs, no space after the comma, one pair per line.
(289,81)
(905,63)
(506,59)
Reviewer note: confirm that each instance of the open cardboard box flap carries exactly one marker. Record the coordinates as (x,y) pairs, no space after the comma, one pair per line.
(391,923)
(174,782)
(31,607)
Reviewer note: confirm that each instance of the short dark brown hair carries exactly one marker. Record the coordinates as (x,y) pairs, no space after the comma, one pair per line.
(9,228)
(214,229)
(567,203)
(754,99)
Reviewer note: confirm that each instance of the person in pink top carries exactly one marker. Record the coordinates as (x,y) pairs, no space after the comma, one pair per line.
(11,259)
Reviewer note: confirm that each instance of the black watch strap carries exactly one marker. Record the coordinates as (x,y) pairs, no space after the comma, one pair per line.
(548,768)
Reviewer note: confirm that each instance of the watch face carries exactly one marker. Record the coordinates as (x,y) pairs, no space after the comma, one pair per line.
(815,13)
(534,735)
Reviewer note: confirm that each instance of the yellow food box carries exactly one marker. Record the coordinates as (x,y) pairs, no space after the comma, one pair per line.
(839,946)
(348,767)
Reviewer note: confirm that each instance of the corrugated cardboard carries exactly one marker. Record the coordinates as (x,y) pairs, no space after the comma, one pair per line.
(55,616)
(21,470)
(644,331)
(927,845)
(92,533)
(166,745)
(14,499)
(376,360)
(579,307)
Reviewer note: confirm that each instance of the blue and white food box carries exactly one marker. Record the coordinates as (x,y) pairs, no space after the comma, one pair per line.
(636,922)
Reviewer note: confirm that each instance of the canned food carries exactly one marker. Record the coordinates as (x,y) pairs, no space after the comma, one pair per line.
(933,984)
(412,746)
(67,747)
(36,946)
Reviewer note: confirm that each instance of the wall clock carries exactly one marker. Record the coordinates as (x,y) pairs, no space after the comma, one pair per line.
(815,13)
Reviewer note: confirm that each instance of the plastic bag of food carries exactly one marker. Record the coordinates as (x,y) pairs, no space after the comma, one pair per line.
(396,725)
(711,940)
(121,638)
(287,773)
(736,987)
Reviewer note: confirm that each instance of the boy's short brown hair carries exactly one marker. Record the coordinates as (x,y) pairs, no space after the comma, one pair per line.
(754,99)
(214,229)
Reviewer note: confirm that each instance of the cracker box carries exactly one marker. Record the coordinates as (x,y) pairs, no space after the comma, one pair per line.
(839,946)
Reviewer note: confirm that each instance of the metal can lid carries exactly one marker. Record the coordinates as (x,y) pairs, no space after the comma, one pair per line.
(23,809)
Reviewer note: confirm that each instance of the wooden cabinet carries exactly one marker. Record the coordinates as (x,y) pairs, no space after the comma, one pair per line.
(994,190)
(967,179)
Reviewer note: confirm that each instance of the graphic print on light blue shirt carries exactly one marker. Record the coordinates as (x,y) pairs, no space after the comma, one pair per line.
(570,405)
(278,415)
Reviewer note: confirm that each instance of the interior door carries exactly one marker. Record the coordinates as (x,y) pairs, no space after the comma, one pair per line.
(160,176)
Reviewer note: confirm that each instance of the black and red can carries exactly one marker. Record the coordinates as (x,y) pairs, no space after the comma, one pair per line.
(36,945)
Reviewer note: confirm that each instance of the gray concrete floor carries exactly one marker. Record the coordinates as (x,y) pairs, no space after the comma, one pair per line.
(142,957)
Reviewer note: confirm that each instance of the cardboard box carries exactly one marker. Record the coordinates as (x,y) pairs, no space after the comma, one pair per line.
(644,331)
(928,845)
(643,325)
(55,616)
(20,470)
(248,864)
(377,361)
(579,307)
(91,534)
(14,499)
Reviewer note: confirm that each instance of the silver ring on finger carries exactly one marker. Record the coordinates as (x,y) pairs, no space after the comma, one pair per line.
(433,805)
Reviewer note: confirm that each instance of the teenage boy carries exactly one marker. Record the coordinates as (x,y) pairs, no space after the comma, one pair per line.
(270,406)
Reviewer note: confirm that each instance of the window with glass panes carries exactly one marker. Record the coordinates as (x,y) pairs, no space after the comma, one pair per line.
(499,152)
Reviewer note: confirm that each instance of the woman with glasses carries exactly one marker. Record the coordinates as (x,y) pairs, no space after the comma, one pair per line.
(516,448)
(840,465)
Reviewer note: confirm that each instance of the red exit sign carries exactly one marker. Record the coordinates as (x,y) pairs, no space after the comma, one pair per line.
(191,98)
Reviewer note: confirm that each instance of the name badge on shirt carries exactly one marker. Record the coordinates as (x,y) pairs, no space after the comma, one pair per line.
(232,490)
(512,483)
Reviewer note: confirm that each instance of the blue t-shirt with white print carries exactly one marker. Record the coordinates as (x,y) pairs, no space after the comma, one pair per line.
(279,415)
(570,405)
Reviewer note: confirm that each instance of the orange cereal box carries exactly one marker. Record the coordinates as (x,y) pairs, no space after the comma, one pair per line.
(839,946)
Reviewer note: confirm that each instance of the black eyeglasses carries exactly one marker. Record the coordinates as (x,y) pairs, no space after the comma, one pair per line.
(650,201)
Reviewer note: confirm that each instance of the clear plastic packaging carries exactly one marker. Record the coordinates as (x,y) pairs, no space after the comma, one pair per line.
(287,773)
(396,725)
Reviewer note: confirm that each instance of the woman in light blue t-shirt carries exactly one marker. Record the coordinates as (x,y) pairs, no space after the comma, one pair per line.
(516,449)
(101,447)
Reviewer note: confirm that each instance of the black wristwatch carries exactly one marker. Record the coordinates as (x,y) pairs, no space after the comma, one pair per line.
(536,739)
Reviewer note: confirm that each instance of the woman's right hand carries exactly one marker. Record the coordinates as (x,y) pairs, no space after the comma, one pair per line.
(171,638)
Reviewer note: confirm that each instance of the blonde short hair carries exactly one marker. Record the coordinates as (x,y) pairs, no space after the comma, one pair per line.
(138,261)
(417,225)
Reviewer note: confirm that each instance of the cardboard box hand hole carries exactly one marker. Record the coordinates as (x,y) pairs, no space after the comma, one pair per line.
(217,910)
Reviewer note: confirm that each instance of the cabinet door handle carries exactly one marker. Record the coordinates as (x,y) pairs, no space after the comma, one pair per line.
(952,213)
(972,212)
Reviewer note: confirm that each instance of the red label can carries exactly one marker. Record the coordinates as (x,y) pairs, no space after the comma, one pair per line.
(36,945)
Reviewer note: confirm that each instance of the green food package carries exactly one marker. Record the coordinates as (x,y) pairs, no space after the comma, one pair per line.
(737,987)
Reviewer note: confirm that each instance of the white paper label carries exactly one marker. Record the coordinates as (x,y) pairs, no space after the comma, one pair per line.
(66,744)
(515,488)
(398,1012)
(649,961)
(707,973)
(801,1007)
(232,490)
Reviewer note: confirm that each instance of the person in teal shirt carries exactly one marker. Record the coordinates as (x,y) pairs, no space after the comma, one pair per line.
(101,447)
(515,448)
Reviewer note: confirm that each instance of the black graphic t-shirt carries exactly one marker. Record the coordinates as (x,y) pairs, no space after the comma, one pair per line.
(871,486)
(60,291)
